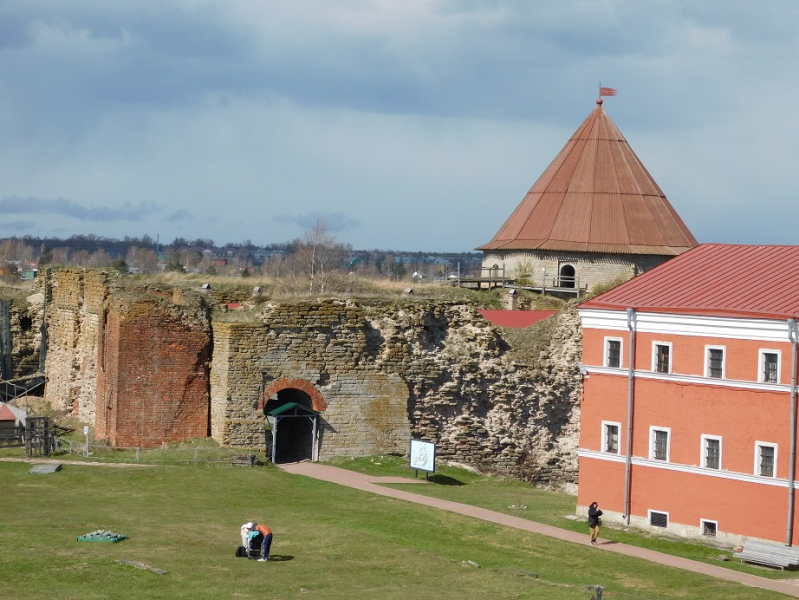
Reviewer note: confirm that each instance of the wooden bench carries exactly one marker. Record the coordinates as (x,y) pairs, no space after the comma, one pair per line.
(772,555)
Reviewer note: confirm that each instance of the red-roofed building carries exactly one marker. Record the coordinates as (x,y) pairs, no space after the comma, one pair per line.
(695,435)
(594,215)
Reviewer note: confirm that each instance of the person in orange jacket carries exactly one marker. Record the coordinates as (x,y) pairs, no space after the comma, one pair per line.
(266,542)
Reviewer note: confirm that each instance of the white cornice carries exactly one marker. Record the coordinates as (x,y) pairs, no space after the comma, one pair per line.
(639,461)
(772,330)
(692,379)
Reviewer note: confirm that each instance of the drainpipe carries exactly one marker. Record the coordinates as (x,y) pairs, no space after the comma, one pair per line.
(630,393)
(793,334)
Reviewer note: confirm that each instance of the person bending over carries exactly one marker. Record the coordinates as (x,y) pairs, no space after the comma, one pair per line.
(266,542)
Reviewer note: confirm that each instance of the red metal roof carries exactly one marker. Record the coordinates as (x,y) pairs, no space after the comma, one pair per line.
(596,196)
(6,414)
(516,318)
(715,279)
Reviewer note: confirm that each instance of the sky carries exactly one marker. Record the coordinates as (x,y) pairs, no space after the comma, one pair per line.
(401,124)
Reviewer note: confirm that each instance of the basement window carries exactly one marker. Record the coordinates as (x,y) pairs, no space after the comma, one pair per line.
(709,528)
(658,519)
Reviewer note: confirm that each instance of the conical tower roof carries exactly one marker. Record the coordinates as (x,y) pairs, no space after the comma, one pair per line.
(596,196)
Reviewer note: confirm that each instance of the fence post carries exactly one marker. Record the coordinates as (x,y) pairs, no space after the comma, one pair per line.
(47,441)
(195,455)
(137,455)
(28,436)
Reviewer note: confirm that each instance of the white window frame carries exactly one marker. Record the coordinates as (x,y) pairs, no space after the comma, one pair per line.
(761,363)
(723,361)
(605,437)
(702,527)
(758,445)
(655,356)
(703,454)
(652,431)
(621,352)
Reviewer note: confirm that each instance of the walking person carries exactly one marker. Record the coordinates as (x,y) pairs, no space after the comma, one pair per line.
(266,542)
(594,521)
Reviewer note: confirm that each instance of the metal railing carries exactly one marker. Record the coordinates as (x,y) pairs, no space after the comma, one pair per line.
(161,454)
(543,280)
(12,389)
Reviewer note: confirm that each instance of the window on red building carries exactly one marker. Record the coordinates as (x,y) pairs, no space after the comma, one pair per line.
(709,528)
(766,459)
(612,353)
(659,443)
(610,437)
(711,452)
(662,358)
(769,366)
(715,362)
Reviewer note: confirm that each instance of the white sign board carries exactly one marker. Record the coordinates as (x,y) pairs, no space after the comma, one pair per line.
(85,430)
(423,456)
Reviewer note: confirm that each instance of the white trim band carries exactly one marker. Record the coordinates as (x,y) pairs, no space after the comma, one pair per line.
(639,461)
(770,330)
(692,379)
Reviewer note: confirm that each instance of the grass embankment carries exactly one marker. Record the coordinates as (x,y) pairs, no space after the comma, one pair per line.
(551,508)
(332,541)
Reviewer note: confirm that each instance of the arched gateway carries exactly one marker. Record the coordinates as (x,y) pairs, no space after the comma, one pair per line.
(292,406)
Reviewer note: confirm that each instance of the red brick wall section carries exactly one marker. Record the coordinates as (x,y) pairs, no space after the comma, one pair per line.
(155,385)
(317,401)
(107,369)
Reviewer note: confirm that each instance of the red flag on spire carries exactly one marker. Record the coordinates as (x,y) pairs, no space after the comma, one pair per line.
(604,91)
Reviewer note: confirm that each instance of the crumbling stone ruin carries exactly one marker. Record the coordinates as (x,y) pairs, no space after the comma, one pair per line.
(147,364)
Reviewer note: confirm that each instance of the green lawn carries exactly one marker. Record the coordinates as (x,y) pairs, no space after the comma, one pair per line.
(332,541)
(551,508)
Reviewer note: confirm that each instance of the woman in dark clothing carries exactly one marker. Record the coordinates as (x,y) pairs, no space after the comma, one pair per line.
(593,521)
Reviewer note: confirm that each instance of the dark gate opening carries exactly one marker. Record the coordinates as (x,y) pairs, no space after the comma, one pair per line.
(293,423)
(567,276)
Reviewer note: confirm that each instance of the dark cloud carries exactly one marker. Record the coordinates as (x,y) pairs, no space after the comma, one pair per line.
(178,216)
(13,228)
(68,208)
(336,222)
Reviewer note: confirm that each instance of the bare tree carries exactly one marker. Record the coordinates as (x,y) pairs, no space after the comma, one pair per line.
(15,250)
(143,260)
(317,254)
(99,258)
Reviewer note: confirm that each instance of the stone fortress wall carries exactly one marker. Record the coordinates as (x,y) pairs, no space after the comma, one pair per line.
(592,269)
(149,365)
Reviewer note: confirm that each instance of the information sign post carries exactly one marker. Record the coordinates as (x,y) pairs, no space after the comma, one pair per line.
(423,457)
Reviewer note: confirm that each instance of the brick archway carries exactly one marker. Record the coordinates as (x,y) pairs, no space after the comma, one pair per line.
(317,401)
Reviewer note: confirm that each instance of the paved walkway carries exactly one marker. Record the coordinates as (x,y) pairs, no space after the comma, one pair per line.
(373,484)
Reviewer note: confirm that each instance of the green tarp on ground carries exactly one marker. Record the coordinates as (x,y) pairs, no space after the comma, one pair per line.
(101,535)
(45,468)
